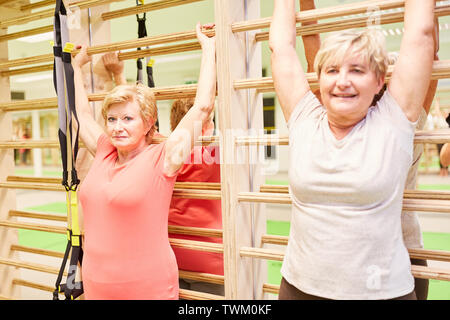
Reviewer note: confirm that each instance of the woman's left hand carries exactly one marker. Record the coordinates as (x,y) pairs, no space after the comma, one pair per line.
(204,39)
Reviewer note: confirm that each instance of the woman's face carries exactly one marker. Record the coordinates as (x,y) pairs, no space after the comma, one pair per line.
(125,126)
(348,89)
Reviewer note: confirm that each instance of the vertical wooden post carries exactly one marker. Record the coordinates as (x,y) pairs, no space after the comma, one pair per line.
(8,236)
(238,57)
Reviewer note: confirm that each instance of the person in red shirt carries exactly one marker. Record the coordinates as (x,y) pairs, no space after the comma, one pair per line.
(203,165)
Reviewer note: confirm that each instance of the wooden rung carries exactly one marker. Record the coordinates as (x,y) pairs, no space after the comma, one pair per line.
(30,266)
(441,70)
(32,226)
(163,50)
(204,277)
(423,205)
(37,215)
(425,254)
(271,288)
(34,285)
(28,179)
(197,194)
(26,70)
(36,5)
(177,193)
(161,93)
(408,194)
(322,13)
(25,33)
(32,186)
(197,245)
(261,253)
(50,253)
(423,272)
(274,239)
(189,244)
(184,293)
(350,23)
(193,231)
(48,13)
(438,255)
(435,136)
(157,5)
(195,295)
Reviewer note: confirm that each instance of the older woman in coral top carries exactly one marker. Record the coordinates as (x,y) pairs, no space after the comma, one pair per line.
(127,192)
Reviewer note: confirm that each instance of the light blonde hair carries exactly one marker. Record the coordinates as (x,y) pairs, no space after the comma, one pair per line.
(370,43)
(138,92)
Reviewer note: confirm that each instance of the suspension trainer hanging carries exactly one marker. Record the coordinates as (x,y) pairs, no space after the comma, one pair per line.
(65,90)
(142,32)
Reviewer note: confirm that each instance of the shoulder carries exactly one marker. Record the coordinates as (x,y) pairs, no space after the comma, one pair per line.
(104,146)
(307,107)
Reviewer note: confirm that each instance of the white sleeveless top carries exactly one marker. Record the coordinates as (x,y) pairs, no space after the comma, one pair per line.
(346,238)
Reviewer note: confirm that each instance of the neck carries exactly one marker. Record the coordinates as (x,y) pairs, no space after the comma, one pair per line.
(339,130)
(124,156)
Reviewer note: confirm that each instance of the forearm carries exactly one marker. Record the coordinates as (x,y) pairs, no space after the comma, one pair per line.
(81,98)
(311,43)
(282,28)
(419,18)
(206,88)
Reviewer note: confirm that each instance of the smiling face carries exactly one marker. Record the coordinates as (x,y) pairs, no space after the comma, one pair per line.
(125,126)
(348,87)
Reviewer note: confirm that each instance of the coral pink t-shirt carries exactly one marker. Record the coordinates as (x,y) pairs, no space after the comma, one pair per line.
(126,245)
(203,167)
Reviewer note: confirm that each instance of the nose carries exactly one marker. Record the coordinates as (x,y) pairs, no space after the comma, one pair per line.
(343,79)
(117,126)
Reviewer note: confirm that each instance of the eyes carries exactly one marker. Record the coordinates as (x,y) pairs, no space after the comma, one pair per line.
(112,119)
(335,70)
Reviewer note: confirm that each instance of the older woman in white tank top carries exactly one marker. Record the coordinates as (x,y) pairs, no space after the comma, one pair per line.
(349,160)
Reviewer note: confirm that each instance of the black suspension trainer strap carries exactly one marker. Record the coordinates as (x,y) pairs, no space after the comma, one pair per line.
(142,33)
(65,90)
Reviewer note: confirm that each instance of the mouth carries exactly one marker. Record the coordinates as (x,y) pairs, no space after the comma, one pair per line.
(344,96)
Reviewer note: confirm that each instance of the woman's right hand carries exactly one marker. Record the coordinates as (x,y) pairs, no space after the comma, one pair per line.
(81,57)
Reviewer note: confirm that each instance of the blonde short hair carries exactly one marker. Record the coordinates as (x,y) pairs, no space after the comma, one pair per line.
(140,93)
(370,43)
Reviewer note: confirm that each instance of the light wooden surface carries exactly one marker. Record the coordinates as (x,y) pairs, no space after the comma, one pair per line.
(7,196)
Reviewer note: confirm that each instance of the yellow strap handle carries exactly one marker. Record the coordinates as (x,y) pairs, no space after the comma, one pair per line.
(76,233)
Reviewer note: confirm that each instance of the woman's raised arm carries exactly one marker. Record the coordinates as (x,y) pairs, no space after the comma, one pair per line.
(288,75)
(90,130)
(412,73)
(181,140)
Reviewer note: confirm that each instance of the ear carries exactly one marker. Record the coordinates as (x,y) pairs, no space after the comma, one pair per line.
(381,82)
(150,123)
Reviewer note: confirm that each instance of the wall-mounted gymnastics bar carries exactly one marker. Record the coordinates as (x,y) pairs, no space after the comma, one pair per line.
(48,13)
(161,93)
(25,33)
(205,190)
(431,137)
(37,5)
(349,23)
(370,7)
(190,35)
(417,271)
(144,8)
